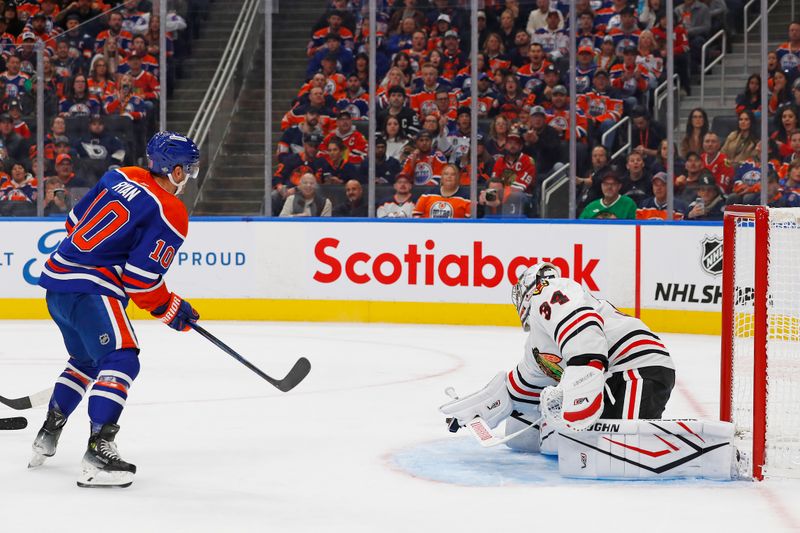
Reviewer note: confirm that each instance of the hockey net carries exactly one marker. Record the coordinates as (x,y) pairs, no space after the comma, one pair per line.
(760,385)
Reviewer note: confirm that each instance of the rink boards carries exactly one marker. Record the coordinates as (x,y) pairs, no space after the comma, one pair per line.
(434,272)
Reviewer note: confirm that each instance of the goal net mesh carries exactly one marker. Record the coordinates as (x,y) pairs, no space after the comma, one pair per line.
(782,442)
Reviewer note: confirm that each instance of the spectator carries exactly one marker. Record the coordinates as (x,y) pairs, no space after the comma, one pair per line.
(611,204)
(660,162)
(585,70)
(498,133)
(86,14)
(56,201)
(511,98)
(123,37)
(78,102)
(602,108)
(115,57)
(686,184)
(355,99)
(400,204)
(455,142)
(655,207)
(795,144)
(531,74)
(13,78)
(497,200)
(408,119)
(788,53)
(485,164)
(145,85)
(448,202)
(100,83)
(542,143)
(795,101)
(453,58)
(292,138)
(316,102)
(395,140)
(20,187)
(558,118)
(646,136)
(680,48)
(696,128)
(487,98)
(538,17)
(386,168)
(650,58)
(781,93)
(295,165)
(338,169)
(124,102)
(747,179)
(750,98)
(494,53)
(710,202)
(354,141)
(335,27)
(636,181)
(508,28)
(607,58)
(590,189)
(63,63)
(20,126)
(333,50)
(149,62)
(66,173)
(740,145)
(553,39)
(100,146)
(15,146)
(648,17)
(424,164)
(81,44)
(786,123)
(696,17)
(716,162)
(626,34)
(513,168)
(354,206)
(629,78)
(436,126)
(306,201)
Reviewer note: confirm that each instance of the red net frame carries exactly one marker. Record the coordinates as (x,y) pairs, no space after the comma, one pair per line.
(759,216)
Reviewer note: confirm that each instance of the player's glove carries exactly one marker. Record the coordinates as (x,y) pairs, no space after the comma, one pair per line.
(177,313)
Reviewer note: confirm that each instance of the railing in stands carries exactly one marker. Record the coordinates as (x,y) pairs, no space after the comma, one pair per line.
(660,95)
(551,185)
(211,124)
(705,69)
(626,121)
(748,27)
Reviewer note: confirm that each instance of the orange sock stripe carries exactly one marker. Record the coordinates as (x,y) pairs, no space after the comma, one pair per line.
(76,376)
(113,385)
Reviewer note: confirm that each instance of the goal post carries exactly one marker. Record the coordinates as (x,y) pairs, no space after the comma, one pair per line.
(759,377)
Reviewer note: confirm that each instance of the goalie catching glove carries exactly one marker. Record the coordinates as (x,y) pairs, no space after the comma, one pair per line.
(177,313)
(577,401)
(492,404)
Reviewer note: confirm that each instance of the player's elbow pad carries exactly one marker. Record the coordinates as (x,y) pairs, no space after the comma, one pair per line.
(583,388)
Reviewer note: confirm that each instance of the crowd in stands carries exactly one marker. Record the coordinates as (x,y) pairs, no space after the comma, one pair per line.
(102,93)
(425,90)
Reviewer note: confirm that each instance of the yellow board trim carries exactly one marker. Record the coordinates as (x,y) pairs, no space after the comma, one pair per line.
(668,321)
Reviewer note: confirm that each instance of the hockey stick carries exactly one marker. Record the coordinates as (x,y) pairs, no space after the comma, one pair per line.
(298,372)
(17,422)
(26,402)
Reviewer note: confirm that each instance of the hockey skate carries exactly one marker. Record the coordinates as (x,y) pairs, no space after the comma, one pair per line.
(46,441)
(102,465)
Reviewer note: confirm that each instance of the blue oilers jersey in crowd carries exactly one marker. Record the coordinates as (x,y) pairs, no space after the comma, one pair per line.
(122,238)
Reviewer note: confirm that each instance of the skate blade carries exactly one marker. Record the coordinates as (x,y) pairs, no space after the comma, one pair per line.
(37,460)
(92,478)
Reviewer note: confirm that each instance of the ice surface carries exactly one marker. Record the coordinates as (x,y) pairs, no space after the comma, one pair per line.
(359,446)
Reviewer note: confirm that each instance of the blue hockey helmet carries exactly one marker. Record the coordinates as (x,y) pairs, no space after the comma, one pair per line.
(167,149)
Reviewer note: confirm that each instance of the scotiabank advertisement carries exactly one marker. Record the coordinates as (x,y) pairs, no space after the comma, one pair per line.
(673,267)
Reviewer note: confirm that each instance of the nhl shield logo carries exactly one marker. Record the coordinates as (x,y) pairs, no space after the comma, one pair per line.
(104,339)
(711,258)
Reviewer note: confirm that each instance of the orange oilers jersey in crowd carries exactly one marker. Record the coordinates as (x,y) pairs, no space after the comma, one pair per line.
(424,103)
(122,237)
(721,168)
(531,77)
(438,206)
(146,86)
(296,116)
(334,86)
(485,105)
(496,63)
(600,107)
(520,174)
(559,119)
(651,213)
(100,89)
(426,169)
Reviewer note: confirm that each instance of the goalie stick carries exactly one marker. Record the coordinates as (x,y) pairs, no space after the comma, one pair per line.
(17,422)
(298,372)
(26,402)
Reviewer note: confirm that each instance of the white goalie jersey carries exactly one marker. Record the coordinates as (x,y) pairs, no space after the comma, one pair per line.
(570,326)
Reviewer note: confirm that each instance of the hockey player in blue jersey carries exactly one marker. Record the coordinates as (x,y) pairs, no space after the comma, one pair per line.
(122,238)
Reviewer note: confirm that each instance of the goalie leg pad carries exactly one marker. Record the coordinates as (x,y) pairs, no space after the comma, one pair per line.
(639,393)
(649,449)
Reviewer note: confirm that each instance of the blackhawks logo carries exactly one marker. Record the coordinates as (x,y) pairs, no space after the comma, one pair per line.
(549,363)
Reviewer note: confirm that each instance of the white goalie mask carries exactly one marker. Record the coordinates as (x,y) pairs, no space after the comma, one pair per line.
(529,284)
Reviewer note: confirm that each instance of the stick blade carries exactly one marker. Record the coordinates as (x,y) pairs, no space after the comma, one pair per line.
(297,374)
(17,422)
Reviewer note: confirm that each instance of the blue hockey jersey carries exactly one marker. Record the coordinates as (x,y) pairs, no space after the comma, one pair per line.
(122,238)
